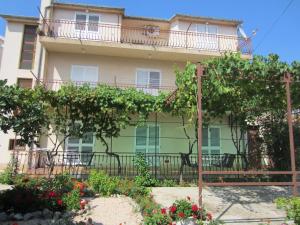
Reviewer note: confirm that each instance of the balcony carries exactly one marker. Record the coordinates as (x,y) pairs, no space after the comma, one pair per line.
(108,39)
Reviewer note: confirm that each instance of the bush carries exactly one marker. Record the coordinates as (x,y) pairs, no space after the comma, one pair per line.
(71,200)
(158,218)
(291,207)
(61,183)
(102,183)
(21,199)
(168,183)
(144,177)
(6,177)
(131,189)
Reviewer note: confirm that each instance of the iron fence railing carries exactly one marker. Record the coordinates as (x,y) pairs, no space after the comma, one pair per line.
(161,165)
(141,36)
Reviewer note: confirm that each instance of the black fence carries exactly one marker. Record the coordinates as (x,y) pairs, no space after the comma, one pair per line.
(176,166)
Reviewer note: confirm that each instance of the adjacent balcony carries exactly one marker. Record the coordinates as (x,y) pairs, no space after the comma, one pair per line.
(71,36)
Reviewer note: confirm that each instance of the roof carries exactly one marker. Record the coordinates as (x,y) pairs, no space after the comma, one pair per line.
(206,19)
(88,6)
(122,11)
(20,19)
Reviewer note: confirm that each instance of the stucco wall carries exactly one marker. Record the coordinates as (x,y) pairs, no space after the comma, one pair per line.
(111,69)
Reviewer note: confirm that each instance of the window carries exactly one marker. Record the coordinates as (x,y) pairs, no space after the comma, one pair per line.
(28,47)
(16,144)
(206,37)
(147,139)
(24,83)
(84,74)
(79,150)
(86,22)
(211,142)
(148,80)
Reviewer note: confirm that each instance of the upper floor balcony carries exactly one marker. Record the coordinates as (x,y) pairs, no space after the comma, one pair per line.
(142,42)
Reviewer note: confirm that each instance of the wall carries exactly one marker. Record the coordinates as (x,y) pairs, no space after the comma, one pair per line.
(226,40)
(109,29)
(111,69)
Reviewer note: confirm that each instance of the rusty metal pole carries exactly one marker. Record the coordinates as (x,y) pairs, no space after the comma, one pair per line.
(199,106)
(287,79)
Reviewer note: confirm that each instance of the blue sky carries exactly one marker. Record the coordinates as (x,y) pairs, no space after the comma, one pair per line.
(257,14)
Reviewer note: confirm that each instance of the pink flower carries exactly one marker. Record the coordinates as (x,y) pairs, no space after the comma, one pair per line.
(208,216)
(173,208)
(181,215)
(51,194)
(59,202)
(195,208)
(163,211)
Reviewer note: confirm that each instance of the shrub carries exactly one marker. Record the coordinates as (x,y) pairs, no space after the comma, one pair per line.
(102,183)
(6,177)
(21,199)
(131,189)
(291,206)
(168,183)
(71,200)
(158,217)
(61,183)
(144,177)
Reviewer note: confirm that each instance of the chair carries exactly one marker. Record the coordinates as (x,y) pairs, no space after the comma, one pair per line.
(185,160)
(226,161)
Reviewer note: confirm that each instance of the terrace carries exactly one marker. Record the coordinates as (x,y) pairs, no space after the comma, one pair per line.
(65,35)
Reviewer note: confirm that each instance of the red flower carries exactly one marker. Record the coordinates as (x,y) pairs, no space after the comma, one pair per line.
(194,208)
(181,215)
(188,198)
(51,194)
(208,216)
(173,208)
(59,202)
(163,211)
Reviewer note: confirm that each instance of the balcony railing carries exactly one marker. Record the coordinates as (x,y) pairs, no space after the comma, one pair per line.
(57,84)
(140,36)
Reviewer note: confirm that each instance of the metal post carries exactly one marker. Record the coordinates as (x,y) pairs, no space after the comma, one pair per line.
(287,79)
(155,150)
(199,105)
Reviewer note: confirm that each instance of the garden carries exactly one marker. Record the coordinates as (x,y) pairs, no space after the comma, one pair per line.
(59,199)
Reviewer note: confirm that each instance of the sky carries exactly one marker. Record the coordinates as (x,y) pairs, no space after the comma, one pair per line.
(276,32)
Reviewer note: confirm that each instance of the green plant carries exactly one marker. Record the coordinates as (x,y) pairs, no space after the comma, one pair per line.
(71,200)
(157,217)
(143,177)
(291,207)
(61,183)
(6,177)
(168,183)
(102,183)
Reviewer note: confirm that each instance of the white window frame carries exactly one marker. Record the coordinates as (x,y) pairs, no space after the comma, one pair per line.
(147,138)
(206,28)
(87,20)
(208,148)
(147,89)
(79,83)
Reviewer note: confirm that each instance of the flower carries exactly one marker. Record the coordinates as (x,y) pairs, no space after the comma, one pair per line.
(173,208)
(163,211)
(83,203)
(208,216)
(195,216)
(195,208)
(181,215)
(51,194)
(188,198)
(59,202)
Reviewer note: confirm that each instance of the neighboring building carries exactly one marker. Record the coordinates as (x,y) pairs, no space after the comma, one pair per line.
(83,43)
(1,49)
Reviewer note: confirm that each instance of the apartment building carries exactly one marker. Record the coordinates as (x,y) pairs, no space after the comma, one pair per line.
(102,45)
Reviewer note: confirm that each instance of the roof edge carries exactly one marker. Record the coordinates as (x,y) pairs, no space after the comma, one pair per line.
(203,19)
(20,19)
(88,6)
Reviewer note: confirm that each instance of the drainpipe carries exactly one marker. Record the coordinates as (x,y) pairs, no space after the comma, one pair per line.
(186,34)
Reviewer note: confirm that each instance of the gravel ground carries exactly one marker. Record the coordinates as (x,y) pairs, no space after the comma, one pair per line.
(113,211)
(233,205)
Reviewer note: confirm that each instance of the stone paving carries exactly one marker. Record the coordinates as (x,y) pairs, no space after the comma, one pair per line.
(233,205)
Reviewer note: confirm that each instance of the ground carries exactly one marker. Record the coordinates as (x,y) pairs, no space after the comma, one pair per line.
(113,211)
(233,205)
